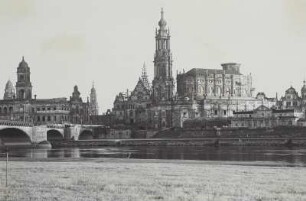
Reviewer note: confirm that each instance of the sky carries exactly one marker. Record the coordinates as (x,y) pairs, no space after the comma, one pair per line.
(69,42)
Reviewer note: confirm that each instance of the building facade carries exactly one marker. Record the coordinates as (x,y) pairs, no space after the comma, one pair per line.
(211,93)
(19,105)
(264,117)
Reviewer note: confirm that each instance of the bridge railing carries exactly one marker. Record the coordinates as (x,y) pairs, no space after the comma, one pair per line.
(15,123)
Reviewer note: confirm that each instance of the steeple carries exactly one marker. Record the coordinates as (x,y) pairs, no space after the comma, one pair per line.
(93,104)
(162,22)
(144,77)
(163,81)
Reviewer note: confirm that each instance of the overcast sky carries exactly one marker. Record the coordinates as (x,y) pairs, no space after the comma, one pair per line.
(69,42)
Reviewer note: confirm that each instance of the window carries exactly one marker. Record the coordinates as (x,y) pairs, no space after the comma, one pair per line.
(224,112)
(49,118)
(216,112)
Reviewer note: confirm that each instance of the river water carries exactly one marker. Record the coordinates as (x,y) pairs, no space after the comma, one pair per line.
(295,156)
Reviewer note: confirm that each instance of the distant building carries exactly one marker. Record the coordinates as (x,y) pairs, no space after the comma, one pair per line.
(264,117)
(292,100)
(19,105)
(209,93)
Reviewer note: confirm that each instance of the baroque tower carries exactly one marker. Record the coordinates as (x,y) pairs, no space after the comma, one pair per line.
(163,80)
(93,104)
(23,84)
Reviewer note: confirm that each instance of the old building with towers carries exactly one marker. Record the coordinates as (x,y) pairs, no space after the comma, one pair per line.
(200,93)
(18,103)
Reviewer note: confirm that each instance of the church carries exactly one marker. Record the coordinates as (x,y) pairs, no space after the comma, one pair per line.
(18,103)
(200,93)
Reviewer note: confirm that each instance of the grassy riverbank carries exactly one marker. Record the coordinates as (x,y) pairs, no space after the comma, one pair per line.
(145,180)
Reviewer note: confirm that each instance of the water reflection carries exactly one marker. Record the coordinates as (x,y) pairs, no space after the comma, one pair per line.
(296,156)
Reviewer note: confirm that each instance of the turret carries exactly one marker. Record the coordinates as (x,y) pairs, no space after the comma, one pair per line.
(9,92)
(23,84)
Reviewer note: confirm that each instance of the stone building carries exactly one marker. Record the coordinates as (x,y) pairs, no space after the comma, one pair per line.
(211,93)
(133,107)
(264,117)
(292,100)
(19,105)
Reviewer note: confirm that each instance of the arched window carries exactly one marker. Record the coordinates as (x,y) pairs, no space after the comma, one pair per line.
(21,94)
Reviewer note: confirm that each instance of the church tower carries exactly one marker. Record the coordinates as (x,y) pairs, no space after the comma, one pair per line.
(163,80)
(23,84)
(93,104)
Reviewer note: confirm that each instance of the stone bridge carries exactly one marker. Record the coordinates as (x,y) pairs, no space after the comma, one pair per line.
(20,132)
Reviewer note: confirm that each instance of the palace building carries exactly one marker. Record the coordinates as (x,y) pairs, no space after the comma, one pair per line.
(201,93)
(20,105)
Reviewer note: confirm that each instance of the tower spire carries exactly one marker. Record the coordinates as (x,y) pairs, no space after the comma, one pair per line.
(162,13)
(144,76)
(163,81)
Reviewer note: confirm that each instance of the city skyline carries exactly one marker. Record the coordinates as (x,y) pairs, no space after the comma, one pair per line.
(92,43)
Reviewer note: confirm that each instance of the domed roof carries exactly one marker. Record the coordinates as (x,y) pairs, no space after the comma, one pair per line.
(9,92)
(162,22)
(23,64)
(9,86)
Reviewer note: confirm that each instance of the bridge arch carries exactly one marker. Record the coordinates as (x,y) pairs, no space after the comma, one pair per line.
(14,136)
(86,135)
(54,135)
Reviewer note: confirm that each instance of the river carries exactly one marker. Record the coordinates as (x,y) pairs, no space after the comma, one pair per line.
(295,156)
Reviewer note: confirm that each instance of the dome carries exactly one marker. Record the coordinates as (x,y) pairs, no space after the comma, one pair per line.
(23,64)
(162,22)
(9,91)
(9,86)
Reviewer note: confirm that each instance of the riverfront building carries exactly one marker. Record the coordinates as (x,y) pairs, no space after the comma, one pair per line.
(264,117)
(20,105)
(209,93)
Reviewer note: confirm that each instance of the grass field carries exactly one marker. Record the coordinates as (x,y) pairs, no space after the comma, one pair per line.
(145,180)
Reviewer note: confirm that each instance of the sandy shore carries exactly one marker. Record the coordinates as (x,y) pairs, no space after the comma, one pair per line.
(145,180)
